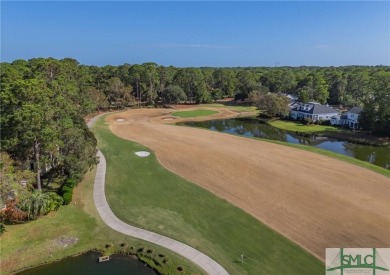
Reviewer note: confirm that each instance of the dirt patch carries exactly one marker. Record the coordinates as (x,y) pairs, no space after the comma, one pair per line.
(65,241)
(314,200)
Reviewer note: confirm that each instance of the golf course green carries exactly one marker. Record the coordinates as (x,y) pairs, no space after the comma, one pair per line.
(194,113)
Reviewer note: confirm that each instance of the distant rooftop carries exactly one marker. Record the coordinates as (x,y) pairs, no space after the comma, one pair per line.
(355,110)
(313,108)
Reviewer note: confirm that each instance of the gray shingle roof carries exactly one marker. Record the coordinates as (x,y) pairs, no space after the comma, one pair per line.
(314,108)
(355,110)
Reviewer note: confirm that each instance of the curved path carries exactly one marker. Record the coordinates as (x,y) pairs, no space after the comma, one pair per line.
(109,218)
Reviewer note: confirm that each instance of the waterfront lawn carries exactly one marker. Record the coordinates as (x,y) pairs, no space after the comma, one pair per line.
(194,113)
(296,126)
(143,193)
(44,240)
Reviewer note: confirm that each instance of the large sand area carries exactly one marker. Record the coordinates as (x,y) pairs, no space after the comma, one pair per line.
(314,200)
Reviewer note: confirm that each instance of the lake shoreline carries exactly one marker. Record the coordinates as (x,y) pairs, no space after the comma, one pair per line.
(130,255)
(344,134)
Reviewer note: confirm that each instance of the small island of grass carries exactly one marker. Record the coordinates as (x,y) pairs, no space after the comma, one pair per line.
(295,126)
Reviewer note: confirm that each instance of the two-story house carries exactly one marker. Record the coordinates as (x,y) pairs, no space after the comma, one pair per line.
(349,118)
(313,110)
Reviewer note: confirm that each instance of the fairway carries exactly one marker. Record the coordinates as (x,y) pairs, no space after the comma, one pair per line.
(194,113)
(312,199)
(143,193)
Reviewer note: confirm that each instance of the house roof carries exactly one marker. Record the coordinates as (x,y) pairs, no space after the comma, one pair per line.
(355,110)
(314,108)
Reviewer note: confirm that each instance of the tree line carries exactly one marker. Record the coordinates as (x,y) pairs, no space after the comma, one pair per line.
(43,102)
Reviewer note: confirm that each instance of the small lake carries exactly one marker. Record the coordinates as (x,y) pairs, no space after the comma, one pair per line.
(87,264)
(253,128)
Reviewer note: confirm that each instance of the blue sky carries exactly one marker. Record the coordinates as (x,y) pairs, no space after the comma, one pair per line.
(199,33)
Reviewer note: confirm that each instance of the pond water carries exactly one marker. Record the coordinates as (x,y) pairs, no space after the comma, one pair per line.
(253,128)
(87,264)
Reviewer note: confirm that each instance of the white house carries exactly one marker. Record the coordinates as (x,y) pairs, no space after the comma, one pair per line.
(313,110)
(350,118)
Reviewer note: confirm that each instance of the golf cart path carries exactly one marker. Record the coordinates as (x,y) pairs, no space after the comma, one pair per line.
(109,218)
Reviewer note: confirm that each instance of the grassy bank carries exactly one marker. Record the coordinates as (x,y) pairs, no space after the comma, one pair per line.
(330,131)
(74,229)
(194,113)
(142,193)
(296,126)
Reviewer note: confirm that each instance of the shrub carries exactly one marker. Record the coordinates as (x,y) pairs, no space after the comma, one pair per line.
(67,190)
(2,228)
(308,121)
(54,201)
(70,182)
(67,196)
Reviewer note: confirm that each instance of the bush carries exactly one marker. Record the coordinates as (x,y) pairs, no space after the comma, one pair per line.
(308,121)
(2,228)
(54,201)
(67,196)
(67,190)
(70,182)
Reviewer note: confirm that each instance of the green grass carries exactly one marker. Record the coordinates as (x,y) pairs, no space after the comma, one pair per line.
(142,193)
(295,126)
(34,243)
(195,113)
(231,107)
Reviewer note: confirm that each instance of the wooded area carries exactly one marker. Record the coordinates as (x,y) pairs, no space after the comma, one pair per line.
(43,102)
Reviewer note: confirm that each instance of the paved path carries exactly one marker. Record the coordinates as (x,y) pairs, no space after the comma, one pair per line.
(109,218)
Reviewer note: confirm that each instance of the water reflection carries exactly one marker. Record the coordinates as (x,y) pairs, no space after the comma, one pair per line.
(87,264)
(253,128)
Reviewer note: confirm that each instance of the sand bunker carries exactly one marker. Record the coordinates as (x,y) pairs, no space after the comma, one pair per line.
(168,118)
(120,119)
(142,154)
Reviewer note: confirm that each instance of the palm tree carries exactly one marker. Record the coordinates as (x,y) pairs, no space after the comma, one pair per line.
(36,204)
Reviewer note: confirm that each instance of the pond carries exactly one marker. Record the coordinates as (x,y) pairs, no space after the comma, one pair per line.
(253,128)
(87,264)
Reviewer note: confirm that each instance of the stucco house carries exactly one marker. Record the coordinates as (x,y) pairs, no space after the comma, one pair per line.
(313,110)
(349,118)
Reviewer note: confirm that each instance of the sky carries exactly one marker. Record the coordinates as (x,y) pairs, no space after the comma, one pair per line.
(185,34)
